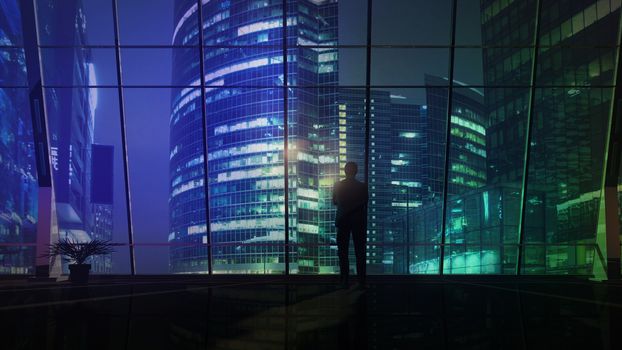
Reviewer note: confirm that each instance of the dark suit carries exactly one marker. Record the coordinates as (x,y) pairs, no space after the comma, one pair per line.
(350,196)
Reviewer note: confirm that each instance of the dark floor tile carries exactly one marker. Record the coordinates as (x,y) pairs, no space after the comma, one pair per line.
(436,315)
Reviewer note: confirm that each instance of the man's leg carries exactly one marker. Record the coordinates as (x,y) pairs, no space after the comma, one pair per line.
(359,235)
(343,238)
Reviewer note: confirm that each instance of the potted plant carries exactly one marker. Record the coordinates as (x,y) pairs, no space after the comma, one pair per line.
(77,253)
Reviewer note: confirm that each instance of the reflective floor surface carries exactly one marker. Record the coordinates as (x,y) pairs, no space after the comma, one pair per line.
(264,314)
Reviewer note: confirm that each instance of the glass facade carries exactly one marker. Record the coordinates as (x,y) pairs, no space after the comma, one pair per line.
(205,136)
(18,193)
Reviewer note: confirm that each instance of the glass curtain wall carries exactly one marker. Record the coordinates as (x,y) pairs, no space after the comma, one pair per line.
(572,97)
(205,136)
(18,175)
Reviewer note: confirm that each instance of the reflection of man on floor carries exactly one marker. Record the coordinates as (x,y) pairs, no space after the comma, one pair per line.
(350,197)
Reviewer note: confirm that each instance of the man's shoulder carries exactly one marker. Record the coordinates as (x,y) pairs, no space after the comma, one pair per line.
(342,182)
(350,182)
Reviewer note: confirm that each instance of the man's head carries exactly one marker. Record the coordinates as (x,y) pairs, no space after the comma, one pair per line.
(350,169)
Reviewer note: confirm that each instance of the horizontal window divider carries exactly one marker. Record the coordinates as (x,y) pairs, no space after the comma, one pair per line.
(447,86)
(116,86)
(160,46)
(345,46)
(560,244)
(316,86)
(16,244)
(388,244)
(163,244)
(475,46)
(488,86)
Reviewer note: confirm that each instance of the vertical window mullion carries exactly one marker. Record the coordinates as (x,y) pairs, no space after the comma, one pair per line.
(441,259)
(286,135)
(528,132)
(204,125)
(368,89)
(126,171)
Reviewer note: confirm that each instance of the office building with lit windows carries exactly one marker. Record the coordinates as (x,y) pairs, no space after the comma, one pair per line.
(245,137)
(468,124)
(392,117)
(420,223)
(563,175)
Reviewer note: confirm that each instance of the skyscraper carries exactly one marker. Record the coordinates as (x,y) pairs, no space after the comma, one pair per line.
(569,119)
(395,168)
(245,135)
(467,149)
(419,224)
(18,193)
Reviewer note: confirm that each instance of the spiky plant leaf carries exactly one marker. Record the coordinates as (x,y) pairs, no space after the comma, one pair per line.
(79,252)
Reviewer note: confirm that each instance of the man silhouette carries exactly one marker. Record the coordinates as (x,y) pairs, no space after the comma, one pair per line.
(350,196)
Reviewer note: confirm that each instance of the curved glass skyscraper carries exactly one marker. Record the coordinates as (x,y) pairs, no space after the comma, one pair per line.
(245,131)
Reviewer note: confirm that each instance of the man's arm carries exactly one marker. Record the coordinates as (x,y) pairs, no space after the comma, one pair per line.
(335,193)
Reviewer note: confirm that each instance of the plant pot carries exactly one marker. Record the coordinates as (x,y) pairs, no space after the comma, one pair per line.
(79,273)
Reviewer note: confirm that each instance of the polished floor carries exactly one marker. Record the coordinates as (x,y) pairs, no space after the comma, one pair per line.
(265,313)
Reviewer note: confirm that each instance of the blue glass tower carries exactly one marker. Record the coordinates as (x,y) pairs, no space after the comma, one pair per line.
(244,79)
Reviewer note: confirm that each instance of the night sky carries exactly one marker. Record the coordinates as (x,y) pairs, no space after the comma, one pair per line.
(147,110)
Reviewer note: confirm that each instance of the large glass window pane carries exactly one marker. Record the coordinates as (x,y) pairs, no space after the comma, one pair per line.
(158,22)
(580,23)
(315,67)
(411,22)
(575,66)
(173,257)
(468,66)
(165,154)
(409,67)
(327,23)
(161,67)
(565,174)
(241,23)
(86,67)
(246,179)
(496,22)
(11,24)
(479,258)
(352,22)
(75,22)
(87,163)
(469,22)
(237,66)
(493,66)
